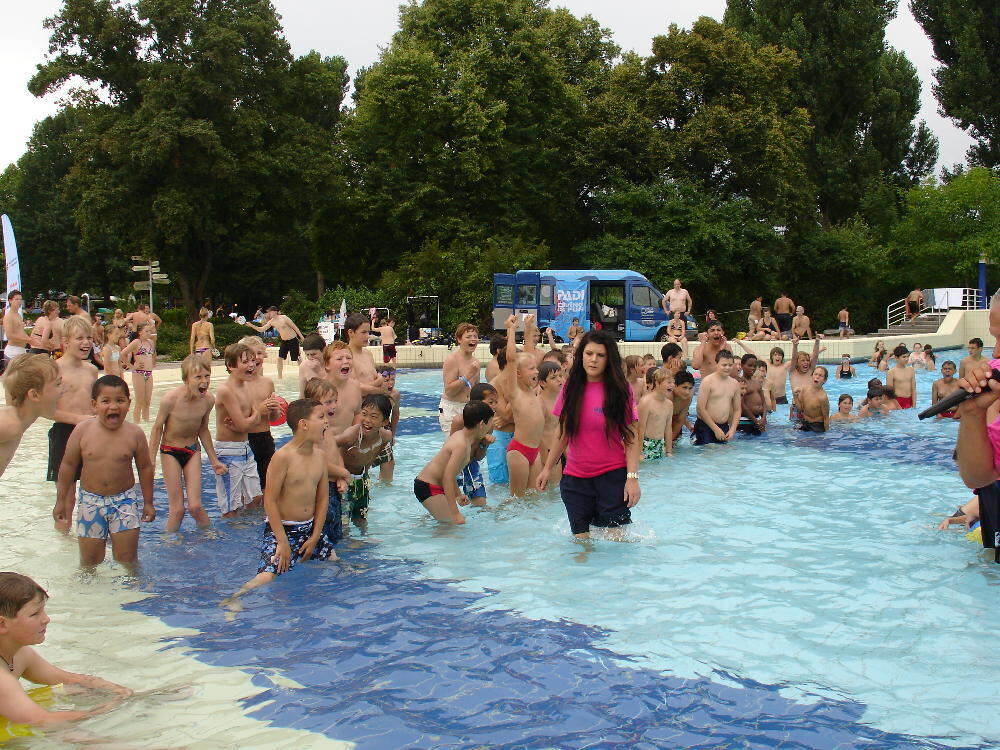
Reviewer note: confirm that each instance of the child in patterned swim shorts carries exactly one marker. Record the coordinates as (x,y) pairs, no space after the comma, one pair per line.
(295,500)
(103,451)
(656,412)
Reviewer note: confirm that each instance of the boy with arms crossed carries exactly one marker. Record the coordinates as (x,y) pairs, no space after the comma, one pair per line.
(181,423)
(75,403)
(460,372)
(295,501)
(32,386)
(902,379)
(683,395)
(718,404)
(656,413)
(22,625)
(324,391)
(235,416)
(436,486)
(101,452)
(814,404)
(521,376)
(312,364)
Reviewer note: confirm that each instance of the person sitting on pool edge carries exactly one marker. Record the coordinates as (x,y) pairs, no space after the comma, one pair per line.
(436,486)
(22,625)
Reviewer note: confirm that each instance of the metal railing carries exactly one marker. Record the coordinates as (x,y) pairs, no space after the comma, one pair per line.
(953,299)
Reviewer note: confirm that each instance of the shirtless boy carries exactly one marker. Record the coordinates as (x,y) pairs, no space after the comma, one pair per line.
(101,453)
(801,325)
(718,403)
(32,386)
(777,373)
(551,377)
(436,486)
(873,403)
(288,332)
(683,395)
(181,424)
(357,328)
(13,327)
(706,355)
(295,501)
(460,372)
(498,343)
(944,387)
(813,403)
(269,407)
(339,364)
(386,329)
(974,358)
(75,400)
(360,445)
(656,412)
(800,376)
(311,365)
(46,335)
(202,340)
(503,424)
(902,379)
(914,301)
(521,376)
(753,404)
(471,481)
(23,623)
(783,308)
(235,415)
(386,459)
(574,331)
(324,391)
(844,322)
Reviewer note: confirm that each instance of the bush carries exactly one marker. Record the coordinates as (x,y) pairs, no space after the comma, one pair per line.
(173,339)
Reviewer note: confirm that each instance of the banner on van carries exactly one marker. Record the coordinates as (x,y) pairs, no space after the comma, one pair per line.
(571,302)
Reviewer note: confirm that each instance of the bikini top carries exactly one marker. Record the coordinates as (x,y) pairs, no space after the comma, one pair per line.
(143,350)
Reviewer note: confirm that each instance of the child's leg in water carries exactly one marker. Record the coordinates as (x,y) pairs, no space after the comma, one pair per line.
(443,509)
(520,471)
(175,491)
(192,482)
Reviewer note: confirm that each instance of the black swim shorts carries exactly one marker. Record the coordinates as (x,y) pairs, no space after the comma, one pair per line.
(262,445)
(595,501)
(289,347)
(59,434)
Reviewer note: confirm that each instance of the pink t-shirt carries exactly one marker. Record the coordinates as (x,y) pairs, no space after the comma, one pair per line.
(592,451)
(993,428)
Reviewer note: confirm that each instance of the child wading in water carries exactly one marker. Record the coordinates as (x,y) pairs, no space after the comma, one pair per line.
(322,390)
(902,379)
(101,451)
(181,423)
(656,411)
(945,387)
(719,404)
(813,403)
(360,444)
(844,405)
(471,481)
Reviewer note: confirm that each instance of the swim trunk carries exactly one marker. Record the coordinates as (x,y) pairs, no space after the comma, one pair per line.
(703,435)
(447,411)
(781,400)
(333,527)
(424,491)
(289,348)
(471,482)
(182,454)
(911,307)
(842,326)
(241,484)
(298,533)
(388,353)
(905,402)
(812,426)
(33,350)
(10,351)
(59,434)
(529,453)
(262,447)
(946,414)
(748,427)
(385,455)
(595,501)
(359,495)
(784,322)
(652,449)
(99,516)
(496,457)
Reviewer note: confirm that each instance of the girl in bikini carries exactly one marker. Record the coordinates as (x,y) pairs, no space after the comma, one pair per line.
(140,358)
(202,337)
(112,351)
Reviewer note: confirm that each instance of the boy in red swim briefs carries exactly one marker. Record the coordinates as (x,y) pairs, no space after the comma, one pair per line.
(520,374)
(902,379)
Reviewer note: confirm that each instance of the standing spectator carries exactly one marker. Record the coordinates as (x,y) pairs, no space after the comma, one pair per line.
(914,301)
(783,309)
(677,299)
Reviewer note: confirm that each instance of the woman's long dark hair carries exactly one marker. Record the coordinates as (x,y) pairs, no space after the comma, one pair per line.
(616,389)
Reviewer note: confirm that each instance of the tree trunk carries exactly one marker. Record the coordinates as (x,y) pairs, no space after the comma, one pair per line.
(320,284)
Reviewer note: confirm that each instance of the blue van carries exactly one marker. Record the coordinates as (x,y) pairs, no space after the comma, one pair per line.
(624,303)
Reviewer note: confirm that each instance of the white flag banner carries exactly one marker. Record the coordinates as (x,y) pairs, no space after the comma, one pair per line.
(10,253)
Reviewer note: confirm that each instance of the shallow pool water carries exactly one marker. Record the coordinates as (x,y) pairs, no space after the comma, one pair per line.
(790,589)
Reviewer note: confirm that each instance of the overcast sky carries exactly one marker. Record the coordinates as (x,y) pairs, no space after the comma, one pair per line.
(358,31)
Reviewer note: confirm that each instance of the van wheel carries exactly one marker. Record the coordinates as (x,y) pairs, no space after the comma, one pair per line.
(662,336)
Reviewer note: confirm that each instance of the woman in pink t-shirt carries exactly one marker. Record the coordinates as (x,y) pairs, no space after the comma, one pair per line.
(597,423)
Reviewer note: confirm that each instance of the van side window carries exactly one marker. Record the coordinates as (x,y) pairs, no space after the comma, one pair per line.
(642,296)
(527,294)
(546,296)
(505,295)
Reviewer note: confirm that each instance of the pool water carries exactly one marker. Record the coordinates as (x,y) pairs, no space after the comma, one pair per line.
(789,589)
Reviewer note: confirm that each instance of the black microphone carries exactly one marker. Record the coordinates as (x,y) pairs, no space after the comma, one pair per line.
(949,402)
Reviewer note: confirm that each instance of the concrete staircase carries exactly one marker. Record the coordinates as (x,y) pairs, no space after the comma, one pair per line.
(926,323)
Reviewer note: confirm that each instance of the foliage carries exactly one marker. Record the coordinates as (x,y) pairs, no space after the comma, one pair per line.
(965,35)
(174,336)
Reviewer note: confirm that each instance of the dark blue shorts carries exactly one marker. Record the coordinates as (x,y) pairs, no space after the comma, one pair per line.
(333,527)
(703,434)
(595,501)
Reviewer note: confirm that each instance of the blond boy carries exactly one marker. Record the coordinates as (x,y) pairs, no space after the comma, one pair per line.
(235,415)
(521,375)
(338,361)
(656,412)
(31,383)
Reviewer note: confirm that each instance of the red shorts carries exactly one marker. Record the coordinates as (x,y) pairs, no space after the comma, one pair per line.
(904,402)
(948,414)
(529,453)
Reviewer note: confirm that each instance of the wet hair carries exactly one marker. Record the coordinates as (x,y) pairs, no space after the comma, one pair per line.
(747,357)
(888,392)
(616,391)
(480,390)
(658,376)
(845,397)
(313,342)
(319,388)
(475,413)
(333,347)
(233,354)
(299,409)
(191,364)
(498,342)
(713,324)
(874,383)
(977,341)
(76,322)
(555,355)
(776,350)
(27,372)
(464,328)
(354,321)
(108,381)
(948,362)
(723,354)
(762,364)
(826,373)
(545,369)
(875,391)
(17,590)
(378,401)
(682,377)
(669,350)
(632,363)
(900,351)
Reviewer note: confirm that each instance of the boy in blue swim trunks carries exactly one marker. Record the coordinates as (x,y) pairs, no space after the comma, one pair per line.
(109,505)
(295,499)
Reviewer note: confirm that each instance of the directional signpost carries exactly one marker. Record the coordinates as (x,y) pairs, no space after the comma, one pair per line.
(153,276)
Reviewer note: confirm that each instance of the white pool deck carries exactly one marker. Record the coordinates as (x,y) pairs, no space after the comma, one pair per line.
(955,330)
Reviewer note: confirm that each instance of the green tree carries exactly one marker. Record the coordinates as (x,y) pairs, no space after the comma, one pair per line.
(965,36)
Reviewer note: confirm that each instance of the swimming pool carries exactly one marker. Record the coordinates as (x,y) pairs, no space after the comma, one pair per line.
(789,589)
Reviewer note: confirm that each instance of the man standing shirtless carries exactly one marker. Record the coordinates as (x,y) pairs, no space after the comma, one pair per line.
(460,372)
(914,301)
(677,300)
(141,315)
(289,333)
(13,327)
(73,307)
(386,329)
(756,313)
(783,309)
